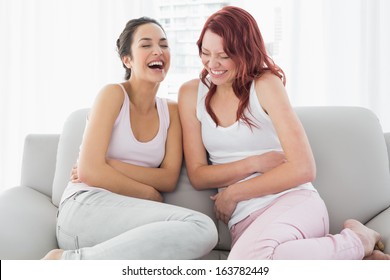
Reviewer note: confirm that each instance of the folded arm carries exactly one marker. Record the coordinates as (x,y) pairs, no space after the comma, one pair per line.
(165,177)
(201,174)
(296,167)
(299,166)
(93,168)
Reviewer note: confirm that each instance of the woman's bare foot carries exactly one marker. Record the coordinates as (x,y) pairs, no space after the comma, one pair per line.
(378,255)
(53,255)
(368,236)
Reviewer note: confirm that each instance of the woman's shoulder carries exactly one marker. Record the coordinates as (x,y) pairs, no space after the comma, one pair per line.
(268,78)
(189,91)
(191,85)
(109,99)
(113,89)
(269,84)
(270,91)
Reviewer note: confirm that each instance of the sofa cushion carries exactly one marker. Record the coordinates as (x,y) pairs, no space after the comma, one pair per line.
(68,151)
(28,222)
(381,223)
(187,196)
(352,163)
(387,138)
(39,161)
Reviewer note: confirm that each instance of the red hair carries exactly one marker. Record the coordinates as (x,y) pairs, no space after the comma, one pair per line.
(244,44)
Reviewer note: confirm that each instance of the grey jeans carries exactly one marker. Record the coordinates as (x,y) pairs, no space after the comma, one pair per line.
(104,225)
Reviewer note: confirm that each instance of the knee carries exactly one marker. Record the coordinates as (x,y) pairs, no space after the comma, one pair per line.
(212,231)
(207,230)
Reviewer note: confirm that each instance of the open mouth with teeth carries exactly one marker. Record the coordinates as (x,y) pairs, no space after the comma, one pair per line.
(217,72)
(156,65)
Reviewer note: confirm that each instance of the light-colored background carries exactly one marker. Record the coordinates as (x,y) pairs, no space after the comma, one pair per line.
(56,54)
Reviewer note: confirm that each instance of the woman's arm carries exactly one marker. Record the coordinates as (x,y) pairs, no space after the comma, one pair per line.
(299,166)
(93,168)
(201,174)
(164,178)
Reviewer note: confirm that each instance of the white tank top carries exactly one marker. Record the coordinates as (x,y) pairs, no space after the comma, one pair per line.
(238,141)
(125,147)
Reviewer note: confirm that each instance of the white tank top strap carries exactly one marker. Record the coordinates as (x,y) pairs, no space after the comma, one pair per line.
(163,111)
(200,106)
(123,89)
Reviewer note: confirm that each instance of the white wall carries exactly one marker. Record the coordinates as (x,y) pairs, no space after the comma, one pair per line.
(56,54)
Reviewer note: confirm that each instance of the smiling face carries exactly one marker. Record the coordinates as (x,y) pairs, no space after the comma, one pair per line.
(220,66)
(150,59)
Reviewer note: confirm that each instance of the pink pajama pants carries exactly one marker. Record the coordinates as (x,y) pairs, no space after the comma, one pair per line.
(294,226)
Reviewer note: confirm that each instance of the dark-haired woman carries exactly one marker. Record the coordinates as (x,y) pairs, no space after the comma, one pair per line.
(238,116)
(130,153)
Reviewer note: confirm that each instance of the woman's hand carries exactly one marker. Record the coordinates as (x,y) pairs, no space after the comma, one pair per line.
(74,176)
(224,205)
(154,195)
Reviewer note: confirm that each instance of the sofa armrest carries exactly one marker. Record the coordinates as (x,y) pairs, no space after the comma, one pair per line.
(381,224)
(39,161)
(387,138)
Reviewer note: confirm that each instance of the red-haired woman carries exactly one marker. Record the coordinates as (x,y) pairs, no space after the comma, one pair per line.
(238,116)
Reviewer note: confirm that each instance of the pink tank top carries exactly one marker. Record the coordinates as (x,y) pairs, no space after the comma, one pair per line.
(125,147)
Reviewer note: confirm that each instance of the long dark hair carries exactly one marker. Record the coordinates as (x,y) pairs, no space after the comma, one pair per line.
(125,40)
(244,44)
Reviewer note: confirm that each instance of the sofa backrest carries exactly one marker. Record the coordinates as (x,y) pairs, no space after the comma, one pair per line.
(39,174)
(348,145)
(352,161)
(68,151)
(187,196)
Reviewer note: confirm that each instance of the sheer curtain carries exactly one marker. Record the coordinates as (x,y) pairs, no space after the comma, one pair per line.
(54,57)
(56,54)
(337,53)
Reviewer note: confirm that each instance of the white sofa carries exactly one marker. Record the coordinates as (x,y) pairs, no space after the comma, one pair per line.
(351,151)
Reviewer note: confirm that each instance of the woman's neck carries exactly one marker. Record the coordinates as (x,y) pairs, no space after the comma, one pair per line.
(142,94)
(225,91)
